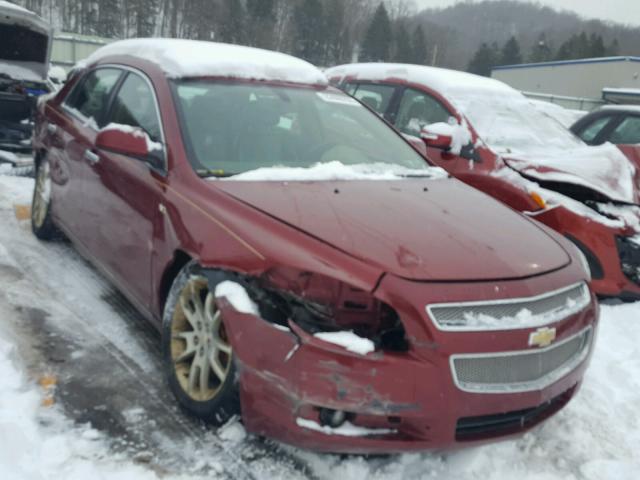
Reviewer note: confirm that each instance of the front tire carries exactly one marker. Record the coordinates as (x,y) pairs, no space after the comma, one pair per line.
(198,357)
(41,222)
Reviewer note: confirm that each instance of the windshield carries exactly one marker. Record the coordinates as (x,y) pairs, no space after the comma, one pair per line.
(510,123)
(236,128)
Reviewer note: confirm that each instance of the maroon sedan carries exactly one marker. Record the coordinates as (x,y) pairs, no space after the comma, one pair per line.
(305,265)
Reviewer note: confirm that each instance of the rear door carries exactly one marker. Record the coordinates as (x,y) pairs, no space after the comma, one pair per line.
(71,133)
(125,193)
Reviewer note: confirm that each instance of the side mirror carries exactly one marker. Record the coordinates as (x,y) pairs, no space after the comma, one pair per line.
(131,141)
(438,135)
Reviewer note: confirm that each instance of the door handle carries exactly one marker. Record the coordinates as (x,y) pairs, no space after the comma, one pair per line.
(52,129)
(91,157)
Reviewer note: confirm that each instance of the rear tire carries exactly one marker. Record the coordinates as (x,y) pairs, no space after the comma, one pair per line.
(198,358)
(41,222)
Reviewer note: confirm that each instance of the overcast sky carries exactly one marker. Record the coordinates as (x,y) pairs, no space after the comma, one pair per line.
(624,11)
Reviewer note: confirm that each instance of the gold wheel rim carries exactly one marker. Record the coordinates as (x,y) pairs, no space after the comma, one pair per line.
(200,349)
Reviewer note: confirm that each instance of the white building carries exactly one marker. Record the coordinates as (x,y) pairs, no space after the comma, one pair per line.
(581,84)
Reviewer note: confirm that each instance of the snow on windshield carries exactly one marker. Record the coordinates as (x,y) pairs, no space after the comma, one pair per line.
(335,170)
(506,121)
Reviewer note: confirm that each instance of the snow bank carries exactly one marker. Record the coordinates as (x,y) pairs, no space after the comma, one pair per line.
(237,296)
(348,340)
(191,58)
(347,429)
(335,170)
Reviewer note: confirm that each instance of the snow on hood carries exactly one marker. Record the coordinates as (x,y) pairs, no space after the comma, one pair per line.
(190,58)
(332,171)
(604,169)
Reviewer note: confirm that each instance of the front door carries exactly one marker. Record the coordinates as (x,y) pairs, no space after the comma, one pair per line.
(126,194)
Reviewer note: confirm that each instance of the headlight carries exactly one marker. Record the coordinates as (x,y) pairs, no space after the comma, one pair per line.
(318,303)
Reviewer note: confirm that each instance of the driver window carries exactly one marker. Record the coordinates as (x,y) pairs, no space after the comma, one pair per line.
(135,106)
(418,109)
(627,133)
(89,99)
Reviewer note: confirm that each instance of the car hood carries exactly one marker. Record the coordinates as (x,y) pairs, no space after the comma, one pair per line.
(26,44)
(603,169)
(413,228)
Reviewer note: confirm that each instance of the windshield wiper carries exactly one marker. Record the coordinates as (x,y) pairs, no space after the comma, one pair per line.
(205,173)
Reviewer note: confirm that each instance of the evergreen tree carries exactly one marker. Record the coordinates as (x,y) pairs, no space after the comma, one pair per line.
(260,9)
(310,31)
(580,46)
(376,46)
(614,49)
(260,22)
(109,19)
(596,45)
(403,50)
(419,46)
(511,52)
(541,51)
(336,33)
(232,30)
(485,58)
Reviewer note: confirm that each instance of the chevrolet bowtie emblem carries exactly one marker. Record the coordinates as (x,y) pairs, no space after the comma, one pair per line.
(543,337)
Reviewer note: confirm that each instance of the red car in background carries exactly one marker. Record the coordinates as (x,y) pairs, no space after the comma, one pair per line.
(307,267)
(491,137)
(617,124)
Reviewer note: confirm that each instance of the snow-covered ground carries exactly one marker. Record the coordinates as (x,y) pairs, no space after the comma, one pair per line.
(81,394)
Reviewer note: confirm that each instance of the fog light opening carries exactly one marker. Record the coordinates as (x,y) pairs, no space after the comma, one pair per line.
(332,418)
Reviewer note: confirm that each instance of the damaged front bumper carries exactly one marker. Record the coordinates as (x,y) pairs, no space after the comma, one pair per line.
(611,251)
(313,394)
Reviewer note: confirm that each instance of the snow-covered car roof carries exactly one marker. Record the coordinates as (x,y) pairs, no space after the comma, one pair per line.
(443,80)
(191,58)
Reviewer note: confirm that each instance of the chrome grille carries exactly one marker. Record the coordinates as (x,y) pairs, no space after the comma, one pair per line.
(508,314)
(520,371)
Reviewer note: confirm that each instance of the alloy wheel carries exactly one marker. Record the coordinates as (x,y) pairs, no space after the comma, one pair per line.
(200,349)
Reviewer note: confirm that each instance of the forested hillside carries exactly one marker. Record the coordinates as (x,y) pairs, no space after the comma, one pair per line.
(472,36)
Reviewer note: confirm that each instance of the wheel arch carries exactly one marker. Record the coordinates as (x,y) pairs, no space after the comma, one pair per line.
(179,260)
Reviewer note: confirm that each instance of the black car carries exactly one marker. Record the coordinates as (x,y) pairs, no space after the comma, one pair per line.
(25,45)
(618,124)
